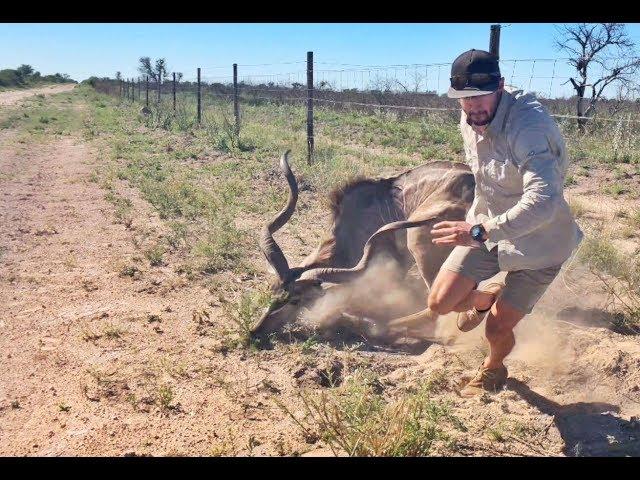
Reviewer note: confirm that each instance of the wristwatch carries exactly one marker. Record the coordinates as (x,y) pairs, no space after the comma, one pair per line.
(477,233)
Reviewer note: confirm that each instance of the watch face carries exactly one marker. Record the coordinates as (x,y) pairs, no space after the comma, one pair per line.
(476,233)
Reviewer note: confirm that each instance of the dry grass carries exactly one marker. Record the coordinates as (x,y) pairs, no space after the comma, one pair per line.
(356,419)
(619,275)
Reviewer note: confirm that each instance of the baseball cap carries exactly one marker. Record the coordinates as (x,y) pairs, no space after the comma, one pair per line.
(474,73)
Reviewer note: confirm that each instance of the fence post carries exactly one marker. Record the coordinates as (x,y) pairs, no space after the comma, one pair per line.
(199,99)
(121,89)
(131,89)
(146,90)
(174,91)
(159,86)
(309,107)
(236,108)
(494,40)
(139,91)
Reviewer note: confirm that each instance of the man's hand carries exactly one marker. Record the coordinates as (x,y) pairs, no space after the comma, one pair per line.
(453,233)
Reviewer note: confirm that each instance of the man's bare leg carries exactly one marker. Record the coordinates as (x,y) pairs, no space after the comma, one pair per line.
(501,321)
(450,291)
(499,332)
(453,291)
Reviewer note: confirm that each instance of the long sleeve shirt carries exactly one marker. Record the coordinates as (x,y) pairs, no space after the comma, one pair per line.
(520,165)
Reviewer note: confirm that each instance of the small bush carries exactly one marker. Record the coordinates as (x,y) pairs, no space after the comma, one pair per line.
(615,189)
(353,418)
(620,278)
(244,314)
(154,255)
(129,271)
(165,396)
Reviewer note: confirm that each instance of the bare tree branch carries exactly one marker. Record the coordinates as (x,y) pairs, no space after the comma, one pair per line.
(590,45)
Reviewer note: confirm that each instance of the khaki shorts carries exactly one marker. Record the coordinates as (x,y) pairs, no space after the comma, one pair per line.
(523,288)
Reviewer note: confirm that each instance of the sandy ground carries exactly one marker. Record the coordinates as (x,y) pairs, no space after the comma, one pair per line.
(12,97)
(95,362)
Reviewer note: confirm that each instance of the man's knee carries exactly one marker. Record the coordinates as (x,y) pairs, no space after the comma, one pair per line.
(449,289)
(437,302)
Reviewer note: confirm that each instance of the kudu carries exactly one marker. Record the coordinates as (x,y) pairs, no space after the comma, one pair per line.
(387,218)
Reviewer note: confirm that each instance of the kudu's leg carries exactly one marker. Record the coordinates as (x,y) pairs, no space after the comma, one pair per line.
(429,258)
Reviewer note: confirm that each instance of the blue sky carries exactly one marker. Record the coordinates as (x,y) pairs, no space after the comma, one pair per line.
(82,50)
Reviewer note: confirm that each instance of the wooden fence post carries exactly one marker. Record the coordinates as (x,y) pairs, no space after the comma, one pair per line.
(199,99)
(174,91)
(236,107)
(494,40)
(146,90)
(309,107)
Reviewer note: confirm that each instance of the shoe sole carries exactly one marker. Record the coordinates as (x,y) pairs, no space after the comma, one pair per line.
(467,327)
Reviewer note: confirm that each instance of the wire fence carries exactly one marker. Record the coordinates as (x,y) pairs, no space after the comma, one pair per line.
(407,90)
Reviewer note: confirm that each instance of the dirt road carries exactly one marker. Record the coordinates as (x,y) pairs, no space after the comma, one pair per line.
(12,97)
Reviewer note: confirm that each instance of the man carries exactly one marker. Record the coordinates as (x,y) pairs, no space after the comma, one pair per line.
(519,221)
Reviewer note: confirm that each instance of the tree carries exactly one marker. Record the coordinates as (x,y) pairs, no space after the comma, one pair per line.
(595,44)
(156,72)
(118,76)
(24,70)
(145,67)
(161,69)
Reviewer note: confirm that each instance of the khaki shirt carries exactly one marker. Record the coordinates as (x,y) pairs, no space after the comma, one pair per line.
(519,165)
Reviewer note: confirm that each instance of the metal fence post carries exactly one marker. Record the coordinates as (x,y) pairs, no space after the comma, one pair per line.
(199,99)
(309,107)
(146,90)
(236,107)
(159,86)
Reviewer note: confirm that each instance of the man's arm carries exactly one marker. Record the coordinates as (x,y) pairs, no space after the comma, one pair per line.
(542,187)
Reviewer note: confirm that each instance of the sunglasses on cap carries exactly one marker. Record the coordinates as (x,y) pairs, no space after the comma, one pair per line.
(475,80)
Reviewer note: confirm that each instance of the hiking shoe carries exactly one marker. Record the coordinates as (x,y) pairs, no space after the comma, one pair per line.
(470,319)
(491,380)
